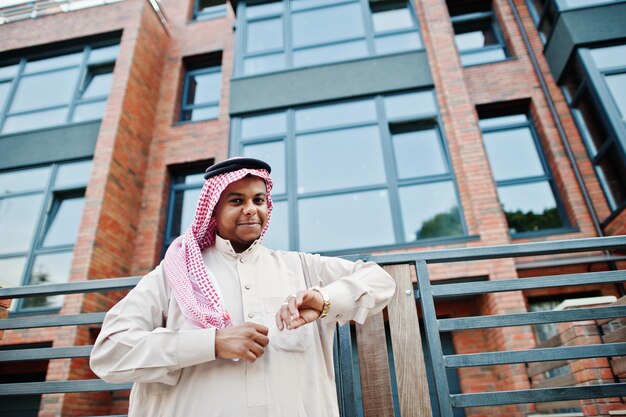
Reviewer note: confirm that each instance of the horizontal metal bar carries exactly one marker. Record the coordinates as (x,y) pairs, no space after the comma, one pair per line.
(502,251)
(95,285)
(538,317)
(535,355)
(538,395)
(482,287)
(45,353)
(51,321)
(56,387)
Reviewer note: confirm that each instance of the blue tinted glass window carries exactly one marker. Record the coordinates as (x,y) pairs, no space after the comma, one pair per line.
(345,221)
(4,92)
(35,120)
(49,269)
(513,154)
(329,24)
(617,88)
(264,9)
(392,19)
(36,244)
(185,189)
(476,32)
(314,32)
(340,159)
(264,63)
(18,222)
(330,53)
(430,210)
(529,207)
(336,115)
(202,94)
(45,90)
(89,111)
(419,153)
(411,105)
(73,174)
(522,178)
(97,84)
(398,43)
(57,90)
(39,65)
(274,154)
(12,271)
(277,234)
(274,124)
(25,180)
(609,57)
(265,35)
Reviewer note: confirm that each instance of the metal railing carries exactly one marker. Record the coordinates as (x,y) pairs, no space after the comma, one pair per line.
(425,295)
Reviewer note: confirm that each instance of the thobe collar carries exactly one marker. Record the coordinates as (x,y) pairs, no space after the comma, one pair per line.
(224,246)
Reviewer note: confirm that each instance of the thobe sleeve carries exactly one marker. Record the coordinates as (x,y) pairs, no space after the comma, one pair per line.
(356,289)
(135,346)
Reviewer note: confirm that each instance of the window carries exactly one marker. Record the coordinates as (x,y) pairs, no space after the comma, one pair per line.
(476,33)
(41,92)
(356,174)
(525,187)
(202,89)
(545,12)
(595,87)
(185,189)
(208,9)
(287,34)
(40,212)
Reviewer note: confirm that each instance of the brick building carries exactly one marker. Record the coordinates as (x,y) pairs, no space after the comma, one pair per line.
(469,123)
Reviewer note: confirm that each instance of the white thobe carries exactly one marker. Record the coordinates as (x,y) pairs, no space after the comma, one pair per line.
(146,339)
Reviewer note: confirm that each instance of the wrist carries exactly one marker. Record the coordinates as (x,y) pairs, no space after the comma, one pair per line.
(325,298)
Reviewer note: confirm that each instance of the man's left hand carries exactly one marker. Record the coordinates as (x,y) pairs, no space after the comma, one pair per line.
(299,309)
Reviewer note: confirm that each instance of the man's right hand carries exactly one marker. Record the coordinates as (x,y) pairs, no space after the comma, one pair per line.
(245,341)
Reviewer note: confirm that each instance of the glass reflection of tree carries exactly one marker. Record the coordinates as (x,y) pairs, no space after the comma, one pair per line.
(442,224)
(40,276)
(530,221)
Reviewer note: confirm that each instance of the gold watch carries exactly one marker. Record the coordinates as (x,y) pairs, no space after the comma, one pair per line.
(326,299)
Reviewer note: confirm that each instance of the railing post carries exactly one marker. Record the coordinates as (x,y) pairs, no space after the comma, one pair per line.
(431,329)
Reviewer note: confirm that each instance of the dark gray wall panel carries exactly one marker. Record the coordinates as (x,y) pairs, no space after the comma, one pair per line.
(576,28)
(49,145)
(329,82)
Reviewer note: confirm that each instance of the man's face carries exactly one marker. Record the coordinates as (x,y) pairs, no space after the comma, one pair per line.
(241,212)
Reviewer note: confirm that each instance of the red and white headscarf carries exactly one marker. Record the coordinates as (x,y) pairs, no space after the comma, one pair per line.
(192,282)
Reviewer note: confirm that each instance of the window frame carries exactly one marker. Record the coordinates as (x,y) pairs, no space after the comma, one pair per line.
(547,173)
(51,196)
(214,12)
(286,18)
(184,107)
(594,85)
(476,17)
(74,101)
(175,187)
(391,183)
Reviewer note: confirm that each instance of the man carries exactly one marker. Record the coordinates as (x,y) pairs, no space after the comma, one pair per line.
(223,326)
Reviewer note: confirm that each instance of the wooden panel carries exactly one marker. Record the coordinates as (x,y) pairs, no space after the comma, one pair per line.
(407,346)
(615,336)
(619,365)
(374,366)
(538,368)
